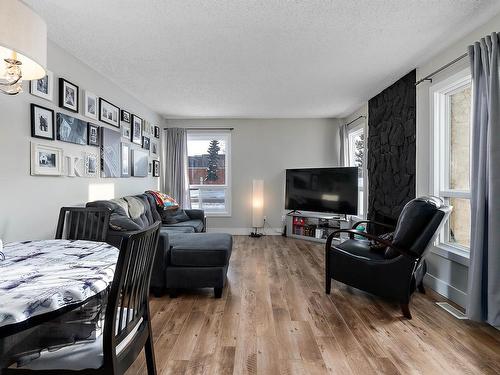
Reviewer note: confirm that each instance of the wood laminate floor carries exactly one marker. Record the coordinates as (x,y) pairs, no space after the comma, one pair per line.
(274,318)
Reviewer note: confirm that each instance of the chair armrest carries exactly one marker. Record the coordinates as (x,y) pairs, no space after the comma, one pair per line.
(354,226)
(353,232)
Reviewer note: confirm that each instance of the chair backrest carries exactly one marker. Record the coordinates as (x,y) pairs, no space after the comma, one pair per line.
(419,224)
(126,324)
(83,223)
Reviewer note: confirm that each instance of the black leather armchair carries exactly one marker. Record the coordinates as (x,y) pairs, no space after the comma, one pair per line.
(396,272)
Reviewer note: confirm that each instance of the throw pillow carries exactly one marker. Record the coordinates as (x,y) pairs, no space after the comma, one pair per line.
(174,216)
(164,201)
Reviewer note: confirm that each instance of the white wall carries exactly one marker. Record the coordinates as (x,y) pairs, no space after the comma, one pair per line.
(263,149)
(447,273)
(29,205)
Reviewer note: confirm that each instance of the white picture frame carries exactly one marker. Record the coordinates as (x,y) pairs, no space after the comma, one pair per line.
(126,131)
(44,87)
(125,160)
(46,160)
(90,105)
(91,161)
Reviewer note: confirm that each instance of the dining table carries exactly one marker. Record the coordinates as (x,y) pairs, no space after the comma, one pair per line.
(52,293)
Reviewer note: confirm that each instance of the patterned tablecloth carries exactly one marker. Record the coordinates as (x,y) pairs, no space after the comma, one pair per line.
(38,277)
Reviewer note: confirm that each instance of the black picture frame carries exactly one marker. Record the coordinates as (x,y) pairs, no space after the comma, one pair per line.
(104,117)
(136,130)
(75,130)
(157,132)
(156,168)
(90,140)
(146,143)
(63,83)
(125,116)
(33,122)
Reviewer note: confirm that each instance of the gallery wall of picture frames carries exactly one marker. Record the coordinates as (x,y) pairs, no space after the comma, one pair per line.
(126,148)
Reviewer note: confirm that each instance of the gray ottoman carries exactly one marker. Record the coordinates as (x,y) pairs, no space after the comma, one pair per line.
(198,260)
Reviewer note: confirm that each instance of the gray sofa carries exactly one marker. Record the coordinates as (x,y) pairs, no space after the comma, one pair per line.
(187,257)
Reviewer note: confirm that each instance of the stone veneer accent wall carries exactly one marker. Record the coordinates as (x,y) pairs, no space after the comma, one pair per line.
(391,149)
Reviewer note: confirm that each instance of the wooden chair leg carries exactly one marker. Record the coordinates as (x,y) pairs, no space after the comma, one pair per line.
(405,308)
(150,355)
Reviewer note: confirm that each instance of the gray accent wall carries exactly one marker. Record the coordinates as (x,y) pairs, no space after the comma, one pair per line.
(264,149)
(29,205)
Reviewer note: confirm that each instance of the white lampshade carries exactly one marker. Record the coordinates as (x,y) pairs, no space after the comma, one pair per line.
(24,32)
(258,204)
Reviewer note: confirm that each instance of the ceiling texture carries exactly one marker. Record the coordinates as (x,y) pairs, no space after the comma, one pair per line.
(257,58)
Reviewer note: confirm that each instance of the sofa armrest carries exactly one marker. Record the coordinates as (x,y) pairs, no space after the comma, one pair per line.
(160,263)
(195,214)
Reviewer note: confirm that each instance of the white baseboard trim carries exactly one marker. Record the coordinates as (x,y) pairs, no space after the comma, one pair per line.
(446,290)
(245,231)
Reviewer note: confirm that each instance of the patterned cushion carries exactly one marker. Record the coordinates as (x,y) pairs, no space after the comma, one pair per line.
(163,200)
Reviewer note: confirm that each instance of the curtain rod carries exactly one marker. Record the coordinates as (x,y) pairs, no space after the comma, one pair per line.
(201,128)
(429,77)
(356,119)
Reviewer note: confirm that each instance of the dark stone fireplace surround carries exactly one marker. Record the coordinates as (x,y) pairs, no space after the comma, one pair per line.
(391,149)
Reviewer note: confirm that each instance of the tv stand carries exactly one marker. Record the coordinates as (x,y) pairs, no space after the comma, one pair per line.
(316,227)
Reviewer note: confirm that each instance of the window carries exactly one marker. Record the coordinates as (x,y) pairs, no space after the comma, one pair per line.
(356,151)
(451,156)
(209,171)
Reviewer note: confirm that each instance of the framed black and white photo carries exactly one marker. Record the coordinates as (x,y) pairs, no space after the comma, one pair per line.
(93,134)
(136,131)
(125,160)
(157,132)
(125,131)
(125,116)
(156,168)
(71,129)
(90,105)
(154,148)
(68,95)
(109,113)
(145,127)
(46,160)
(42,122)
(110,153)
(91,164)
(146,143)
(44,87)
(140,163)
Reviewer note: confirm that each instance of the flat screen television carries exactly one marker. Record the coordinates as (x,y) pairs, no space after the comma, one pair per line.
(332,190)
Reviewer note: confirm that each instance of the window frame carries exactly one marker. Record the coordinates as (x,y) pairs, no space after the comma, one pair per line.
(352,129)
(202,133)
(440,120)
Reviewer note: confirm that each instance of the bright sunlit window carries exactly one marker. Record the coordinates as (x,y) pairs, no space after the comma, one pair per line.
(451,155)
(209,171)
(356,157)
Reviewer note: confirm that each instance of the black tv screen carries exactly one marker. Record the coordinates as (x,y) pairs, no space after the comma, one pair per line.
(332,190)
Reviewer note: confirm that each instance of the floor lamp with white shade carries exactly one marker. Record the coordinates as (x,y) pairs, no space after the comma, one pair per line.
(257,207)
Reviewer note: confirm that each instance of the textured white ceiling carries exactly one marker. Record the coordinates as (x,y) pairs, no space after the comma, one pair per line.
(260,58)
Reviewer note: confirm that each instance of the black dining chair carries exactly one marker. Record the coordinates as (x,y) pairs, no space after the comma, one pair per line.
(83,223)
(127,322)
(396,270)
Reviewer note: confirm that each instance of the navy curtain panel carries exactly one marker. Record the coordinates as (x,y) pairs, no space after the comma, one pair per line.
(484,269)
